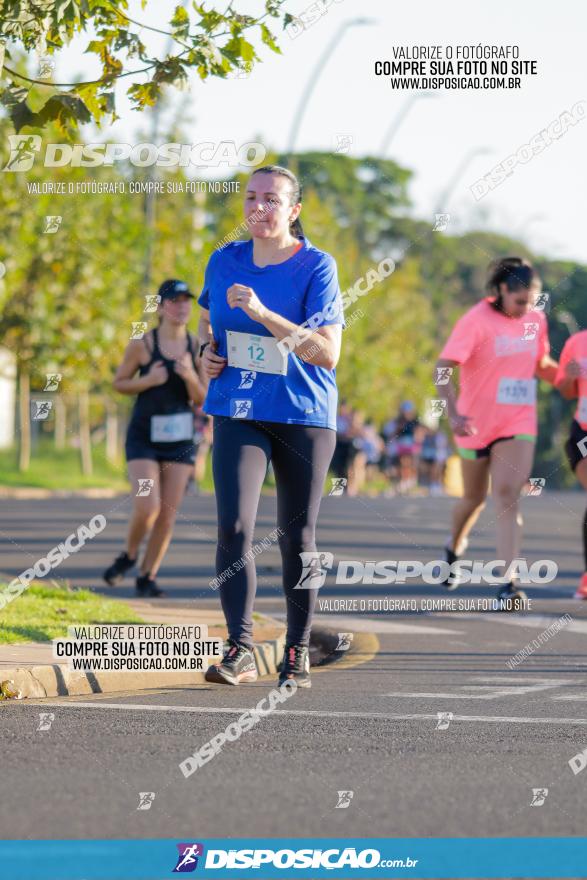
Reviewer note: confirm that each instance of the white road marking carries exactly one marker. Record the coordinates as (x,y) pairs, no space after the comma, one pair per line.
(491,692)
(527,621)
(378,625)
(309,713)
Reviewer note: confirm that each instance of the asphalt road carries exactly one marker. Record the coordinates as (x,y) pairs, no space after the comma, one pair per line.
(371,729)
(350,528)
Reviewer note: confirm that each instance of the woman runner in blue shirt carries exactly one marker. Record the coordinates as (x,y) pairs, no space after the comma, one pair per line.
(273,396)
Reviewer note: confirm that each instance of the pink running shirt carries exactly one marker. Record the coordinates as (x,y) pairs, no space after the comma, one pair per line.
(575,348)
(497,357)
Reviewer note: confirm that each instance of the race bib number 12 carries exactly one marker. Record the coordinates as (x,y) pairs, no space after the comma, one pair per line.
(250,352)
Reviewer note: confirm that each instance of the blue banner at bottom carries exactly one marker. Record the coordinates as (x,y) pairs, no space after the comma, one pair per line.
(273,858)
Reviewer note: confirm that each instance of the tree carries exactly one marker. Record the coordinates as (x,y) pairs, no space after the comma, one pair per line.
(207,41)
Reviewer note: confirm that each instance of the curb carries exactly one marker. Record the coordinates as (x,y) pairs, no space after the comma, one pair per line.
(31,492)
(56,680)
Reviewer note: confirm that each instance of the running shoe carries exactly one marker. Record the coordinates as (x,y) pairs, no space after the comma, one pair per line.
(115,574)
(582,588)
(238,664)
(512,598)
(147,586)
(296,664)
(453,580)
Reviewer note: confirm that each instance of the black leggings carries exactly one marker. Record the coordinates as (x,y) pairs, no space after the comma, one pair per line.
(240,455)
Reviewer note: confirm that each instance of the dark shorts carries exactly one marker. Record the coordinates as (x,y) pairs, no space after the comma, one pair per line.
(138,445)
(485,451)
(572,449)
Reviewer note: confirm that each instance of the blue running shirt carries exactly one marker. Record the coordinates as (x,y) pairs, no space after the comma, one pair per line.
(299,288)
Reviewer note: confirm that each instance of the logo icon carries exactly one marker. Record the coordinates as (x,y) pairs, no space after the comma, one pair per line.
(146,799)
(344,641)
(537,484)
(344,800)
(46,719)
(52,224)
(443,375)
(338,485)
(138,329)
(542,303)
(247,378)
(344,143)
(46,67)
(145,486)
(539,795)
(52,383)
(313,573)
(444,719)
(530,331)
(187,860)
(441,222)
(436,407)
(152,300)
(22,151)
(41,411)
(241,409)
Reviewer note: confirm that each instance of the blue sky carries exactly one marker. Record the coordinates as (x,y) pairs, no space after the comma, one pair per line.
(542,202)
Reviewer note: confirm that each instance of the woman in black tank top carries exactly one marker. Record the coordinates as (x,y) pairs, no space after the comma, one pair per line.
(160,448)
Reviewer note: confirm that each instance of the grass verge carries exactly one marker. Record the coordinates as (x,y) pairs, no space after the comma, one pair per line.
(43,613)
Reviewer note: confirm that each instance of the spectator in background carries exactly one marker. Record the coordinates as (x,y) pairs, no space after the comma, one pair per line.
(433,456)
(342,450)
(403,436)
(357,458)
(373,447)
(203,441)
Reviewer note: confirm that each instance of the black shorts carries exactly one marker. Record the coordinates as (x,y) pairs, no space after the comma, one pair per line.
(138,445)
(485,451)
(572,448)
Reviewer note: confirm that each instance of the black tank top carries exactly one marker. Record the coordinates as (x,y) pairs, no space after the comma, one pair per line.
(171,397)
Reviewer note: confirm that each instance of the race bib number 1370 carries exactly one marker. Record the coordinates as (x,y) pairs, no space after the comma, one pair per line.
(519,392)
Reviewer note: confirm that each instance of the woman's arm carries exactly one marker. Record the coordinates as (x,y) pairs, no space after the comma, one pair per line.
(547,369)
(124,382)
(320,347)
(447,392)
(204,327)
(211,363)
(184,367)
(568,384)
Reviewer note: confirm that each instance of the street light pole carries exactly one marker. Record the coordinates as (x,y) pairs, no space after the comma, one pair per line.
(461,168)
(396,123)
(315,75)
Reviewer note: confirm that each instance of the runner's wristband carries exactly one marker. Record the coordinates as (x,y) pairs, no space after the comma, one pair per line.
(202,347)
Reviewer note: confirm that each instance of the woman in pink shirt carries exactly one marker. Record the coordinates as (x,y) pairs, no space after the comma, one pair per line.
(499,346)
(571,381)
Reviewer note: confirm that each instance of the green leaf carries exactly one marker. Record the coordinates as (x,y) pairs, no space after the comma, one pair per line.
(144,94)
(21,115)
(269,39)
(65,109)
(38,96)
(180,17)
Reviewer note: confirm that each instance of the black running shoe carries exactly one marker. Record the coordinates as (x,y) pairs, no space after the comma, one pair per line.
(238,664)
(453,580)
(147,586)
(511,598)
(296,665)
(115,574)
